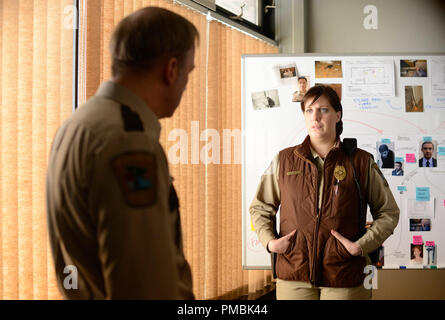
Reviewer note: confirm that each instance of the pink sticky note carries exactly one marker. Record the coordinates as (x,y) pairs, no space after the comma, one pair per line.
(417,240)
(430,244)
(411,157)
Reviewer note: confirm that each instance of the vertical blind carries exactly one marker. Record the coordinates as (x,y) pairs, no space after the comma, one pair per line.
(35,97)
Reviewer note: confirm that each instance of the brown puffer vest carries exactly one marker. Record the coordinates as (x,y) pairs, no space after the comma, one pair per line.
(314,255)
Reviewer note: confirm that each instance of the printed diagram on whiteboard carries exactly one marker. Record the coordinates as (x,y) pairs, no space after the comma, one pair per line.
(367,76)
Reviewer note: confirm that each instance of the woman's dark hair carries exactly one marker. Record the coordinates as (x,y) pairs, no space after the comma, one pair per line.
(321,90)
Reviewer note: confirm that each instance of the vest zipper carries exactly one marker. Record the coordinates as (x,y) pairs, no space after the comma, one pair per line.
(315,242)
(317,222)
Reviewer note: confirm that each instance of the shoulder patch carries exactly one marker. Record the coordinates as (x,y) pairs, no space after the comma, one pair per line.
(376,167)
(136,173)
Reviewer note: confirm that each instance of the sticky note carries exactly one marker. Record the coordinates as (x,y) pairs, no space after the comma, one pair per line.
(399,159)
(441,151)
(386,140)
(427,139)
(423,194)
(251,226)
(410,157)
(402,188)
(429,243)
(417,240)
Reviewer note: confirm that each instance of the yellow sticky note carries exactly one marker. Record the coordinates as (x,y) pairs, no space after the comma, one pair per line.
(251,226)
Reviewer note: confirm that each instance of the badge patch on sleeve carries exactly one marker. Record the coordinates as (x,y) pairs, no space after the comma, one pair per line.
(136,173)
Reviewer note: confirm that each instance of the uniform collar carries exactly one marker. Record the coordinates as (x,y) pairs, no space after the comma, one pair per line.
(314,153)
(305,150)
(116,92)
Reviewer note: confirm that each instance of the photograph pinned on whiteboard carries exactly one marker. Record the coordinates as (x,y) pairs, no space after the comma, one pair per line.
(265,99)
(428,154)
(416,254)
(398,169)
(303,87)
(385,155)
(335,86)
(430,253)
(328,69)
(289,71)
(413,98)
(413,68)
(419,224)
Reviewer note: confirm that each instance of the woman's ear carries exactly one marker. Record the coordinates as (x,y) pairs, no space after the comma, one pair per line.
(338,116)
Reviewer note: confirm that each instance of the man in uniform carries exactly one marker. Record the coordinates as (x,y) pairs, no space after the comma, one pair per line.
(112,208)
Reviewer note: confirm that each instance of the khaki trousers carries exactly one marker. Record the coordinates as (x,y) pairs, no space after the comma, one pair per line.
(297,290)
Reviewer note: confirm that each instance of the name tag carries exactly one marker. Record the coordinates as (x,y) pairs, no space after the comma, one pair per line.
(292,173)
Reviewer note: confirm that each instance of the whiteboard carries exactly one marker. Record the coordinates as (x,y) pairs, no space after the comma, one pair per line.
(375,95)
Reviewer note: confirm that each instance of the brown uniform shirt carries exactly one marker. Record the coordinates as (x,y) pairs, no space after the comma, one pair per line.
(112,210)
(383,207)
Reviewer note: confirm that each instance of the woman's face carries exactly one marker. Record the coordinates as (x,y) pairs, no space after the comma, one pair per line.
(321,119)
(416,252)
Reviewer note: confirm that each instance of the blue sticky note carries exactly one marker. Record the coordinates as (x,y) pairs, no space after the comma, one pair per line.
(400,159)
(441,151)
(423,194)
(386,141)
(427,139)
(402,188)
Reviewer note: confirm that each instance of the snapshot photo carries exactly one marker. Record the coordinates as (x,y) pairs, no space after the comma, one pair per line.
(430,253)
(265,99)
(288,72)
(413,68)
(416,254)
(385,155)
(335,86)
(413,98)
(419,224)
(398,168)
(303,87)
(427,154)
(328,69)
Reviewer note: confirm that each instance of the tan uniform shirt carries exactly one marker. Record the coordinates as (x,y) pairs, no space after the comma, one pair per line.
(111,205)
(383,207)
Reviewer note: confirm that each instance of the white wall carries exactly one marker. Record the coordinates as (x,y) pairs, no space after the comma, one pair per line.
(336,26)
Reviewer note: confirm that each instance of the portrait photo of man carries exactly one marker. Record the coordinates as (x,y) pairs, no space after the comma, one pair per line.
(385,157)
(427,150)
(398,171)
(303,86)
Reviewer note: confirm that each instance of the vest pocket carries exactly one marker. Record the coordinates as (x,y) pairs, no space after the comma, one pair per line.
(292,241)
(340,268)
(343,252)
(293,263)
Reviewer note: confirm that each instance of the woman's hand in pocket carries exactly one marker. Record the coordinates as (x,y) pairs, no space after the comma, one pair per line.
(353,248)
(280,245)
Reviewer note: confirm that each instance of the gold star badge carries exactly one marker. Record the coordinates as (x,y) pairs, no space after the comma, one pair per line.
(340,173)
